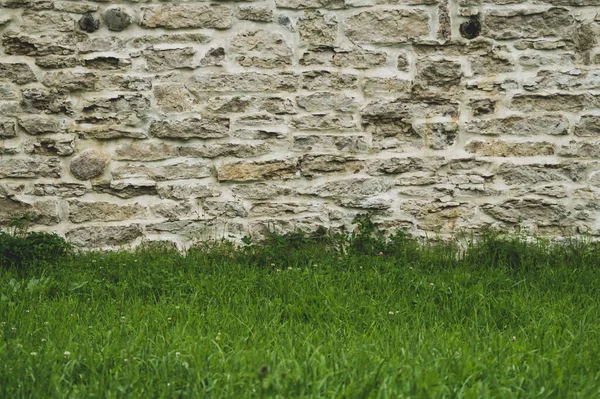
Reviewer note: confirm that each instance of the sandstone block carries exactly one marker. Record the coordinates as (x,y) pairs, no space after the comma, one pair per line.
(59,189)
(317,29)
(320,142)
(240,82)
(145,151)
(588,126)
(319,165)
(256,13)
(158,59)
(324,122)
(541,173)
(304,4)
(171,171)
(373,86)
(238,150)
(48,101)
(17,72)
(358,187)
(553,125)
(46,21)
(106,132)
(260,191)
(526,210)
(183,191)
(516,24)
(71,81)
(101,211)
(7,128)
(126,190)
(324,101)
(88,164)
(437,135)
(30,167)
(387,26)
(555,102)
(258,170)
(185,129)
(46,211)
(171,97)
(396,165)
(104,236)
(343,58)
(61,145)
(325,80)
(500,148)
(173,211)
(223,209)
(177,16)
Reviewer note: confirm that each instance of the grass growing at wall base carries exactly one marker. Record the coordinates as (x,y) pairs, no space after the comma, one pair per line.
(306,317)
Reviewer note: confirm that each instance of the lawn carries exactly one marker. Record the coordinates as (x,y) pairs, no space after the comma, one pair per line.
(295,318)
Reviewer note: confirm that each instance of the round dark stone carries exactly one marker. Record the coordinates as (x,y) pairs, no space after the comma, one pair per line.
(89,23)
(471,28)
(116,19)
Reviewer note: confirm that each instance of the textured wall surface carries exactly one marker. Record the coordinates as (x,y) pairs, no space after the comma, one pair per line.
(123,121)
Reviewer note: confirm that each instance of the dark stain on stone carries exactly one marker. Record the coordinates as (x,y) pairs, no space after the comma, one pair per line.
(470,29)
(89,23)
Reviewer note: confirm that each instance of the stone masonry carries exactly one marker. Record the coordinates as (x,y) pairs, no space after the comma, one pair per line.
(146,120)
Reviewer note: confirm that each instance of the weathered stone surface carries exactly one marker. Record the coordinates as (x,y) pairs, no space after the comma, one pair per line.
(260,191)
(158,59)
(261,42)
(37,45)
(572,80)
(541,173)
(185,129)
(126,190)
(30,167)
(88,164)
(541,212)
(7,128)
(59,189)
(553,125)
(117,19)
(145,151)
(582,150)
(321,142)
(247,81)
(100,211)
(438,73)
(317,29)
(89,23)
(107,63)
(439,135)
(343,58)
(177,16)
(257,13)
(71,81)
(516,24)
(128,109)
(387,26)
(45,211)
(123,82)
(170,38)
(170,171)
(213,57)
(174,98)
(324,122)
(304,4)
(43,21)
(258,170)
(439,216)
(378,86)
(358,187)
(106,132)
(284,208)
(317,165)
(325,80)
(61,145)
(499,148)
(173,211)
(588,126)
(238,150)
(182,191)
(555,102)
(47,101)
(393,166)
(324,101)
(223,209)
(104,236)
(17,72)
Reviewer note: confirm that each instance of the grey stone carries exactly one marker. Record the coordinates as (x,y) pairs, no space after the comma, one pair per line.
(47,101)
(117,19)
(184,191)
(61,145)
(126,190)
(223,209)
(260,191)
(104,236)
(344,143)
(17,72)
(101,211)
(541,173)
(145,151)
(358,187)
(165,59)
(71,81)
(88,164)
(387,26)
(7,128)
(170,171)
(541,212)
(318,165)
(523,23)
(588,126)
(89,23)
(30,167)
(185,129)
(59,189)
(246,81)
(257,13)
(520,126)
(257,170)
(177,16)
(317,29)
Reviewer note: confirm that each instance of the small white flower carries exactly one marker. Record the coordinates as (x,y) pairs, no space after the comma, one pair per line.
(431,284)
(169,319)
(290,268)
(177,354)
(67,354)
(390,312)
(122,319)
(514,338)
(34,354)
(44,340)
(410,268)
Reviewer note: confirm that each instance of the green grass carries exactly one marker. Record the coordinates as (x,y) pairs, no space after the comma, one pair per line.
(296,319)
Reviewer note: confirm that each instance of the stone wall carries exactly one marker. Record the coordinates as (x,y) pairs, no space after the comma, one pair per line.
(124,121)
